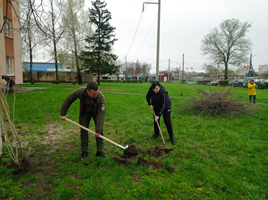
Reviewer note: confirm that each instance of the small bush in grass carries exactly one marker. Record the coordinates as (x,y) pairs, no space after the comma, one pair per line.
(260,85)
(224,82)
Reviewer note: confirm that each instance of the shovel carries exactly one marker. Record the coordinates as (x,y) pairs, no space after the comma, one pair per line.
(94,134)
(166,149)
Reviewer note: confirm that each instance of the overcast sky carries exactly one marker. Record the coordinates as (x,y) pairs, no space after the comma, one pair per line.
(183,25)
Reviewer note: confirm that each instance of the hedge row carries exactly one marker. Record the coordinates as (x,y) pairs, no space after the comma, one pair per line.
(260,85)
(120,81)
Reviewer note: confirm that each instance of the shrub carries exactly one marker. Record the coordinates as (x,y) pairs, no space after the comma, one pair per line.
(260,85)
(120,81)
(203,82)
(224,82)
(265,84)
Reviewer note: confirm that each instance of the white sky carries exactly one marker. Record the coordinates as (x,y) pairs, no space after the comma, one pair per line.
(183,25)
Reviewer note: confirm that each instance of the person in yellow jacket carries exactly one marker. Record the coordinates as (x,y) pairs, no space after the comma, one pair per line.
(252,91)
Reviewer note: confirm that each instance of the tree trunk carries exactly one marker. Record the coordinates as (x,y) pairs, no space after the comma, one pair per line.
(54,43)
(226,71)
(31,51)
(77,63)
(99,68)
(56,62)
(31,65)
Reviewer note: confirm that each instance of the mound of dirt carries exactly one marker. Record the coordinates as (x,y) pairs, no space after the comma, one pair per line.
(131,151)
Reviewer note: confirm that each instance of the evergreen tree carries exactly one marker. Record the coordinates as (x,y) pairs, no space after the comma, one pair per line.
(98,56)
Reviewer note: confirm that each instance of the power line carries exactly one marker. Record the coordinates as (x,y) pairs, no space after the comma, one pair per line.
(147,34)
(135,32)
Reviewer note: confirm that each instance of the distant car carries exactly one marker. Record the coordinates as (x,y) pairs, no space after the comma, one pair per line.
(259,80)
(260,83)
(215,83)
(241,82)
(234,82)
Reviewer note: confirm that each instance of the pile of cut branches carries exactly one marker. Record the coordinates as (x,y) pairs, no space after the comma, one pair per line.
(213,103)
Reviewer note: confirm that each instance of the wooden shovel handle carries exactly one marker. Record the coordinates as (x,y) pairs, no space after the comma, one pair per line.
(160,131)
(79,125)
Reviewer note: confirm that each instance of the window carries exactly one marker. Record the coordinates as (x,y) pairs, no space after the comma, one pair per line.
(8,27)
(10,71)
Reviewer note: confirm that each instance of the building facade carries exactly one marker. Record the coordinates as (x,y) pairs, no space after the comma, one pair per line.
(10,41)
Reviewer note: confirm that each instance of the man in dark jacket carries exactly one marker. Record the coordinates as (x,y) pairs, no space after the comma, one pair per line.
(159,101)
(10,83)
(92,105)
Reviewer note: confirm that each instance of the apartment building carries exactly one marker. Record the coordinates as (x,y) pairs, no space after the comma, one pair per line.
(10,41)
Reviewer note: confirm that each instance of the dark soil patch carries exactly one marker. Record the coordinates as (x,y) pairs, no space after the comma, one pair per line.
(157,151)
(154,165)
(121,161)
(131,151)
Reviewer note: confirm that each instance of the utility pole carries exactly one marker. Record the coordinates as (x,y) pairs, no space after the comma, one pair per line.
(183,77)
(168,69)
(126,67)
(158,41)
(158,38)
(187,73)
(250,65)
(179,72)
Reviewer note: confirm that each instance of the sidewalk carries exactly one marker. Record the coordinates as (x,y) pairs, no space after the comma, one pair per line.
(20,89)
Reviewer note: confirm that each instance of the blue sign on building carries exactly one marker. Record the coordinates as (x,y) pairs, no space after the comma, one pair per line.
(41,67)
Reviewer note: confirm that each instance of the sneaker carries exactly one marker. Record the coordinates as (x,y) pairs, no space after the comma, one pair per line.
(173,141)
(155,136)
(84,155)
(101,154)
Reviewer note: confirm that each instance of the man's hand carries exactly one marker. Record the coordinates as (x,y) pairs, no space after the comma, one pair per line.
(151,106)
(156,118)
(63,117)
(97,134)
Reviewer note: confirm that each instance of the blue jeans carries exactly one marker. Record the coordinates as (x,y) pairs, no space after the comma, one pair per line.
(254,98)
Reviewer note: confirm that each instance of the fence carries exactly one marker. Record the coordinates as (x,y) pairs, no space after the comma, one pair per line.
(50,77)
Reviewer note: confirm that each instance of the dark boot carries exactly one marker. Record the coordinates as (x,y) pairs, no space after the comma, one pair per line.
(101,154)
(155,136)
(84,155)
(171,137)
(172,141)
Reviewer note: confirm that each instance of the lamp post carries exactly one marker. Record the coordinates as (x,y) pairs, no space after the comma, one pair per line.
(158,38)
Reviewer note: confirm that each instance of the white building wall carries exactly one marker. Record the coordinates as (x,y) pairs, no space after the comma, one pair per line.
(17,44)
(2,45)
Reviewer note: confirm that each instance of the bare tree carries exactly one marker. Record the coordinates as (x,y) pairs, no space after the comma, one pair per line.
(52,26)
(32,37)
(227,45)
(145,69)
(75,21)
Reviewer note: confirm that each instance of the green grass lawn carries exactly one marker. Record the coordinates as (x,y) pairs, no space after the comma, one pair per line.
(216,157)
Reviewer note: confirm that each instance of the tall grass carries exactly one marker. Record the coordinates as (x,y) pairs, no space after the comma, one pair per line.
(216,157)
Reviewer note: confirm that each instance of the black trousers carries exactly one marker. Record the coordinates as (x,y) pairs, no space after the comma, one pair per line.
(167,120)
(254,98)
(84,120)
